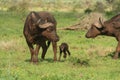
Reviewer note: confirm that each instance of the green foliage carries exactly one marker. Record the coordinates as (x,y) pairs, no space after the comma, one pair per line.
(88,11)
(110,14)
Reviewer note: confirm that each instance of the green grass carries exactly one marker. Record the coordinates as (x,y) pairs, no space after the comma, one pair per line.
(93,53)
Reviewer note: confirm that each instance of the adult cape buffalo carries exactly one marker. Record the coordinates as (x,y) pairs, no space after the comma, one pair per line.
(109,28)
(40,29)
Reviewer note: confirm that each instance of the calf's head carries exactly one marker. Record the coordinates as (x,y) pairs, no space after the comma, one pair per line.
(95,30)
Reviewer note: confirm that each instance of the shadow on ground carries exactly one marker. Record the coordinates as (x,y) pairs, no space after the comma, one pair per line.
(50,60)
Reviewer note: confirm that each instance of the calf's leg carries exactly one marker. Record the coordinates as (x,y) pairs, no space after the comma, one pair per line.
(60,54)
(65,54)
(68,52)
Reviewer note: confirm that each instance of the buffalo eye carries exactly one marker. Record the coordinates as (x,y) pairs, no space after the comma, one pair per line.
(91,27)
(50,29)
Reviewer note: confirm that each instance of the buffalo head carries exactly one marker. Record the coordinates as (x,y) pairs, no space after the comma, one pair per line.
(96,29)
(49,31)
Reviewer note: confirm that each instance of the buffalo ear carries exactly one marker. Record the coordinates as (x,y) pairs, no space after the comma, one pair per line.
(33,15)
(35,18)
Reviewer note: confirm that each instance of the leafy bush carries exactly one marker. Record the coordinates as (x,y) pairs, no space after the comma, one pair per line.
(99,7)
(88,10)
(116,7)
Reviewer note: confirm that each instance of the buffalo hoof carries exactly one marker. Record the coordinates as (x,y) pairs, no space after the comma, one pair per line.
(58,59)
(43,58)
(34,61)
(115,57)
(55,60)
(65,56)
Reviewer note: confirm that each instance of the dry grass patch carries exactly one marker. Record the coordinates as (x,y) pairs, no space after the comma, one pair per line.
(100,51)
(11,45)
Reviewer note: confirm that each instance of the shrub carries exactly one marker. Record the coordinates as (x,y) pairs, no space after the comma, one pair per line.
(99,7)
(79,61)
(19,7)
(88,10)
(116,7)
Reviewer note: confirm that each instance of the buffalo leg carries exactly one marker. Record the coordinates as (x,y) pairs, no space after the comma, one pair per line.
(117,51)
(48,44)
(35,56)
(31,48)
(54,44)
(44,48)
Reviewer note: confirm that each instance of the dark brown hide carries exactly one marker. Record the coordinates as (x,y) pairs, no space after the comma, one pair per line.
(40,29)
(109,28)
(65,49)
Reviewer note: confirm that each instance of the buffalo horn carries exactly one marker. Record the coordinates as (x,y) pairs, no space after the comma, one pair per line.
(45,25)
(101,22)
(38,21)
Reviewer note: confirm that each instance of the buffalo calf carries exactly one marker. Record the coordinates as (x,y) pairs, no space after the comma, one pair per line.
(65,49)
